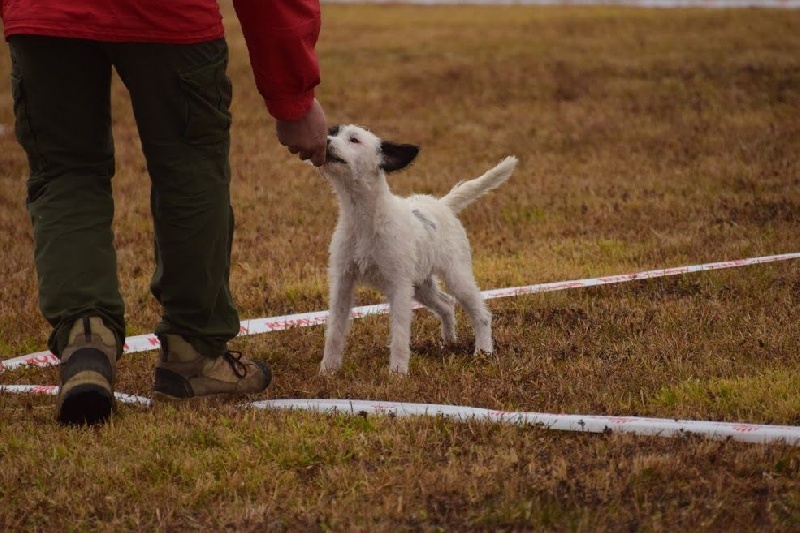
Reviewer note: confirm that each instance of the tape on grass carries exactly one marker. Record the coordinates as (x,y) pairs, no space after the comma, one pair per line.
(52,390)
(753,433)
(662,427)
(255,326)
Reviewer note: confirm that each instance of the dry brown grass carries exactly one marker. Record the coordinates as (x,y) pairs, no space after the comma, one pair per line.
(647,138)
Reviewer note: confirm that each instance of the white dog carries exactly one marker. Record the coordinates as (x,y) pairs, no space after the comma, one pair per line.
(400,246)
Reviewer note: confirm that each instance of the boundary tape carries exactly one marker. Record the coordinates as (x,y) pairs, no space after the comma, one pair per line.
(663,427)
(659,427)
(752,433)
(255,326)
(52,390)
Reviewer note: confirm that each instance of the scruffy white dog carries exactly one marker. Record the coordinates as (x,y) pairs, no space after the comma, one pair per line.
(400,246)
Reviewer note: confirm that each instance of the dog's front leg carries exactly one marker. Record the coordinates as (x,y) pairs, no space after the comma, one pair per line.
(341,302)
(400,304)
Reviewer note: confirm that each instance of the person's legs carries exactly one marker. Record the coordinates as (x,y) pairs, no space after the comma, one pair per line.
(181,97)
(61,92)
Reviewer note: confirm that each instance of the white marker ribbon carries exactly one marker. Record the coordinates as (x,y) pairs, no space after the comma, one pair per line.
(662,427)
(52,390)
(255,326)
(584,423)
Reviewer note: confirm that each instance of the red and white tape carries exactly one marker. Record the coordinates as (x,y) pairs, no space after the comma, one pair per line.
(52,390)
(583,423)
(662,427)
(565,422)
(255,326)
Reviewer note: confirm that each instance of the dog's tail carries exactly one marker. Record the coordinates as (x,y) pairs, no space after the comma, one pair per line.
(466,192)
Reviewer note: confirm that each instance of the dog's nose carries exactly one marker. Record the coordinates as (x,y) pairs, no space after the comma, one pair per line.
(330,154)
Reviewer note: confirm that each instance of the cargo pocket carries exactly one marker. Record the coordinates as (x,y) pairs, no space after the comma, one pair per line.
(207,94)
(22,124)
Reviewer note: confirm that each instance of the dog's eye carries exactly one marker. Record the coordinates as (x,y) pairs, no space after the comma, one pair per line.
(354,140)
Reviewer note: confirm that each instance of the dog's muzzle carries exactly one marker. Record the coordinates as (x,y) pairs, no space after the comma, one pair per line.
(330,157)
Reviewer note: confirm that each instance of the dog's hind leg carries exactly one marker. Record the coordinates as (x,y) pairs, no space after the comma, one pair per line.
(461,284)
(341,302)
(400,305)
(431,296)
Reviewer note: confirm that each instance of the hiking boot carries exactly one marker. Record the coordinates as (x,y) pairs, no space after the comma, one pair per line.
(88,365)
(182,372)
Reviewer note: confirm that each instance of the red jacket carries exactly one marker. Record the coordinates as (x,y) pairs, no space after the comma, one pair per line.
(280,35)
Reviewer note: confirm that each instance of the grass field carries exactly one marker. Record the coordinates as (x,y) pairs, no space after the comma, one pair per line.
(647,139)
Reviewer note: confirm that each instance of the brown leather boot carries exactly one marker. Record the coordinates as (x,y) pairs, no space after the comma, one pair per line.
(88,367)
(182,372)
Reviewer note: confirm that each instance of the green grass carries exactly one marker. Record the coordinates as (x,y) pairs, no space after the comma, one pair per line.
(647,139)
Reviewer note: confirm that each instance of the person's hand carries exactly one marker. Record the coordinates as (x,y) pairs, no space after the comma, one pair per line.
(307,137)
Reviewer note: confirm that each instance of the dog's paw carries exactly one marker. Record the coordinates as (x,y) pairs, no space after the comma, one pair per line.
(327,368)
(484,350)
(484,344)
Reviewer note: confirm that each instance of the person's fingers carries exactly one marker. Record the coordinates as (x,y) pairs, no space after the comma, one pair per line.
(306,137)
(318,157)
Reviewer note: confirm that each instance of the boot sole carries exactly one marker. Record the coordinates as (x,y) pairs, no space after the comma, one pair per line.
(85,403)
(161,397)
(171,387)
(86,396)
(218,397)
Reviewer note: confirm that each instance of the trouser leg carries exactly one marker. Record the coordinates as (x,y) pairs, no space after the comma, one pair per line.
(61,92)
(181,97)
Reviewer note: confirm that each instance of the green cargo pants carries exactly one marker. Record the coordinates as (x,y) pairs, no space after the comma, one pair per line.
(181,97)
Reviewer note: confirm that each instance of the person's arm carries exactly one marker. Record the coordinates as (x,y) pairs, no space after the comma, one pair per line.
(281,36)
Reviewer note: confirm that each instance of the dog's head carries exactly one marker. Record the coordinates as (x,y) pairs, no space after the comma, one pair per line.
(356,154)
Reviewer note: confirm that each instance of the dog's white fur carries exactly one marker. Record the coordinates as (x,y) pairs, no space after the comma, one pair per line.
(400,246)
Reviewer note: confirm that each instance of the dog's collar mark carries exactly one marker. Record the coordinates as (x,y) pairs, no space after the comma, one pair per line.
(428,223)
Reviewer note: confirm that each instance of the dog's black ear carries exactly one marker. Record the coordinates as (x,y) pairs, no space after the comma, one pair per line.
(397,156)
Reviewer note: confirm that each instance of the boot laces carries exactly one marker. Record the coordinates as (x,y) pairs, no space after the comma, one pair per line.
(234,359)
